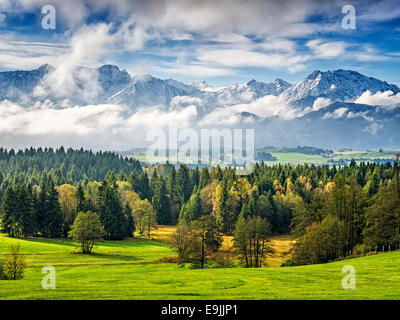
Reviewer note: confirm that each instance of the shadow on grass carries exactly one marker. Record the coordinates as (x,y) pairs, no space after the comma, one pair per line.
(111,256)
(50,241)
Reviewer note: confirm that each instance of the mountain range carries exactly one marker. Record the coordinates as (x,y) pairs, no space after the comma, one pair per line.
(326,109)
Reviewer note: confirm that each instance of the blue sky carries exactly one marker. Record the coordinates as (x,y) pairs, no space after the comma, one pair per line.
(221,42)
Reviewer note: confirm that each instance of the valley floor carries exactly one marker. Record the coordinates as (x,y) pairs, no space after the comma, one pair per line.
(132,269)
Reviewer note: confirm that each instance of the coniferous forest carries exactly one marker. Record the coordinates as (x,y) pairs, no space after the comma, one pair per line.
(334,212)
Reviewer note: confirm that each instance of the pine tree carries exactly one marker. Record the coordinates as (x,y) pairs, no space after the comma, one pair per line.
(53,213)
(174,200)
(111,212)
(222,212)
(204,179)
(81,201)
(161,202)
(144,186)
(183,185)
(130,223)
(8,219)
(28,217)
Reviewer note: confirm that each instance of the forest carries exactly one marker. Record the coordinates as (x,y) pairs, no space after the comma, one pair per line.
(333,211)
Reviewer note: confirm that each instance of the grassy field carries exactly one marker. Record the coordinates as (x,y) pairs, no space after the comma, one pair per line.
(296,158)
(132,269)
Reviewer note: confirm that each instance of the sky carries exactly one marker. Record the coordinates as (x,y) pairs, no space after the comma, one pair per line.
(220,42)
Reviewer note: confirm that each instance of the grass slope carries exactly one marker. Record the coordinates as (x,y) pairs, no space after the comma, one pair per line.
(131,269)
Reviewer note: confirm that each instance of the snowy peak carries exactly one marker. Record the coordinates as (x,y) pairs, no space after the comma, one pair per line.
(262,89)
(147,90)
(338,85)
(281,85)
(14,84)
(112,78)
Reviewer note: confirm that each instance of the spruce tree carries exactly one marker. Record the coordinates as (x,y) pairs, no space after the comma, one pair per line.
(8,219)
(81,201)
(161,202)
(111,212)
(184,188)
(53,212)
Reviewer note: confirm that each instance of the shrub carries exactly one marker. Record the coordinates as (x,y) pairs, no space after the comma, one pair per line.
(1,270)
(14,266)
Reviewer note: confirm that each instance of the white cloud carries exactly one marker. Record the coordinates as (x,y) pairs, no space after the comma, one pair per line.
(220,116)
(373,128)
(267,106)
(87,45)
(184,101)
(248,57)
(320,103)
(360,114)
(26,55)
(345,113)
(192,16)
(93,126)
(194,70)
(383,10)
(386,98)
(327,50)
(337,114)
(263,107)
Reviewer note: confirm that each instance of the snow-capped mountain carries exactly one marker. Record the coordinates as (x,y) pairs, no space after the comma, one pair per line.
(337,85)
(262,89)
(117,86)
(112,79)
(149,91)
(14,84)
(109,84)
(282,113)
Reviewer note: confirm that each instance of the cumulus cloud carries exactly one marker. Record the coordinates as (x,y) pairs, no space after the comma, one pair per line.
(137,22)
(220,116)
(345,113)
(264,107)
(268,106)
(257,34)
(318,104)
(373,128)
(327,50)
(192,16)
(87,45)
(179,102)
(337,114)
(386,98)
(92,126)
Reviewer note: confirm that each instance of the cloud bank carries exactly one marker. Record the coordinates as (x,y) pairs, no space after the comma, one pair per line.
(386,98)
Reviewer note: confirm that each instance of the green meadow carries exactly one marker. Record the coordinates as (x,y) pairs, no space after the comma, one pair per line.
(138,269)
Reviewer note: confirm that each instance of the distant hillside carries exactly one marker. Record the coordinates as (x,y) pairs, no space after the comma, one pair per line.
(304,150)
(63,166)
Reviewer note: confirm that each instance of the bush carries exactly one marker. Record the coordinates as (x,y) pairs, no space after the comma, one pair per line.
(1,270)
(14,266)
